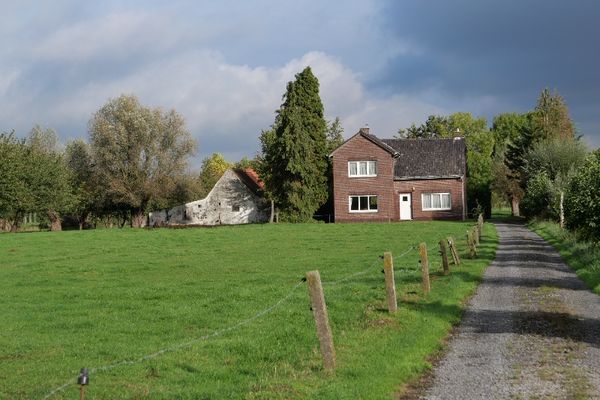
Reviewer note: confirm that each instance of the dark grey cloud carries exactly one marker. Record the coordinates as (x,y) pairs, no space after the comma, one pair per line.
(509,50)
(224,65)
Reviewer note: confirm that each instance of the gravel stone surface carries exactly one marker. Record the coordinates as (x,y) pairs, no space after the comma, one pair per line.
(532,330)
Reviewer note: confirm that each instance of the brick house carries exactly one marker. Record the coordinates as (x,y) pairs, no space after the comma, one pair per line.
(399,179)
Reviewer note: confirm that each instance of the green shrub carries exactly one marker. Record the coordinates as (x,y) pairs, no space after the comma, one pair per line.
(582,203)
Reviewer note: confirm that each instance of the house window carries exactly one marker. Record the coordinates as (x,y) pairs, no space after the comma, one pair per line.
(235,208)
(360,204)
(436,201)
(362,168)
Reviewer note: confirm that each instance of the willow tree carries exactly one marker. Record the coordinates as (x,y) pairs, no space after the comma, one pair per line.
(295,151)
(139,153)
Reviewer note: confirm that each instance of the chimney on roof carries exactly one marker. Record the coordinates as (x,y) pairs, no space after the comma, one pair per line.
(365,129)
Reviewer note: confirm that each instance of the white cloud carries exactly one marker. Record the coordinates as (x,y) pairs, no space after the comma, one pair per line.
(226,105)
(114,35)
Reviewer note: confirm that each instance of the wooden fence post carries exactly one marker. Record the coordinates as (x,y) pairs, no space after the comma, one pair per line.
(390,285)
(317,300)
(480,225)
(453,250)
(475,234)
(444,255)
(471,244)
(424,268)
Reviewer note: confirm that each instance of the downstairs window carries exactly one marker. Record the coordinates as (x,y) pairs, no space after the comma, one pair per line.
(363,203)
(436,201)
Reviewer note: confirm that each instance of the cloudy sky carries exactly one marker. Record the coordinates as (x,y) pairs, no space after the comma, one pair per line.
(224,65)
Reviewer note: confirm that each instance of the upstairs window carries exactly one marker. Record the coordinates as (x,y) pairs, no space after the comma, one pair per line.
(363,203)
(362,168)
(436,201)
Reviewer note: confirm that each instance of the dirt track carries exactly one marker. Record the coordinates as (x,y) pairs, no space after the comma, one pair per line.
(532,331)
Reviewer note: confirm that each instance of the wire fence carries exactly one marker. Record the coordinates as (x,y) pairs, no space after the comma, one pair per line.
(279,302)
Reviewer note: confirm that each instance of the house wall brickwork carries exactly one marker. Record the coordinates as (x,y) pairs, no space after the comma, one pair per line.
(418,187)
(387,190)
(361,149)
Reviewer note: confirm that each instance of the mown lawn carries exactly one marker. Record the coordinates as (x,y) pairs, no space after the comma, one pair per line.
(109,298)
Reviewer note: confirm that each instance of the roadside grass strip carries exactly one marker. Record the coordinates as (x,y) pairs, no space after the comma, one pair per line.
(582,256)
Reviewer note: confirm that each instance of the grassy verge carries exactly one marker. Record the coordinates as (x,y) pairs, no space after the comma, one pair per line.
(111,297)
(583,257)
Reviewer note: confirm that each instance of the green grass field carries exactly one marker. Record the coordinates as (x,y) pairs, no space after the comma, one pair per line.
(582,256)
(105,299)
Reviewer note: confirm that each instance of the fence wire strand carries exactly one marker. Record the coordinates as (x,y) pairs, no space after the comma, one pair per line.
(367,270)
(182,345)
(222,331)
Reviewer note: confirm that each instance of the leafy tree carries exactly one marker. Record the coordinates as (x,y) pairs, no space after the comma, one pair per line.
(435,126)
(16,196)
(480,146)
(187,188)
(513,136)
(334,136)
(334,140)
(507,128)
(79,162)
(556,160)
(505,184)
(33,177)
(541,197)
(518,134)
(138,154)
(212,170)
(582,204)
(295,151)
(551,117)
(245,162)
(265,166)
(50,177)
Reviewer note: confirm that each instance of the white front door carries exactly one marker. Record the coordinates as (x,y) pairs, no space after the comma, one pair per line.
(405,206)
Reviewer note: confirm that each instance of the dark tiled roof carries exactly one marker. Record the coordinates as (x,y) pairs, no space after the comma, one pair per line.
(428,158)
(364,132)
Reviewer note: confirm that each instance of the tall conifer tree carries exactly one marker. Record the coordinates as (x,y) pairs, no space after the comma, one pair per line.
(295,151)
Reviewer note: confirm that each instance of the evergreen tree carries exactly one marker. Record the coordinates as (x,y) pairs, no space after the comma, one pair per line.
(295,151)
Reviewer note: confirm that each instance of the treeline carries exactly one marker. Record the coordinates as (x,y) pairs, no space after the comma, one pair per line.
(533,162)
(136,159)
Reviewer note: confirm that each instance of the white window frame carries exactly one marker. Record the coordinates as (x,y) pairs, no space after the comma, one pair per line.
(441,208)
(368,196)
(370,165)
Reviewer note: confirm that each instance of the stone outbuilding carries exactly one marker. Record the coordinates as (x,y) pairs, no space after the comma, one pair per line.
(236,198)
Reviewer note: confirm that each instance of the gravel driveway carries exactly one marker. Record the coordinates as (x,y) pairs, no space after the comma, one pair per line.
(532,331)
